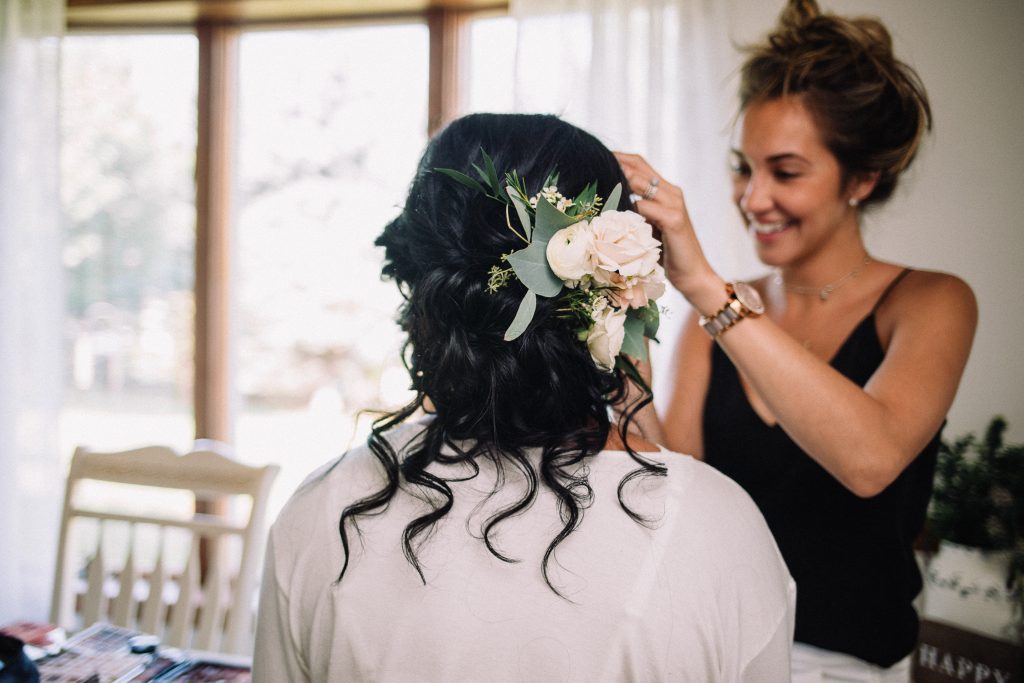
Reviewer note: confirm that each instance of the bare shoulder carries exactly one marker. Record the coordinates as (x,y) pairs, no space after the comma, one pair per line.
(928,290)
(930,302)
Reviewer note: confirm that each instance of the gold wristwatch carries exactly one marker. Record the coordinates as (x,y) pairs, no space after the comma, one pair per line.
(744,301)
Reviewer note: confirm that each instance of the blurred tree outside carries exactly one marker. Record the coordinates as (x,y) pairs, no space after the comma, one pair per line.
(128,157)
(332,125)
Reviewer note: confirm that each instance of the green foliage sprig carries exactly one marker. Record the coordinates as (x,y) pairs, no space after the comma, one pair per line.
(607,325)
(979,499)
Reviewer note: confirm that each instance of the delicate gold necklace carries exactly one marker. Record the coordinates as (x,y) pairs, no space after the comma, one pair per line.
(824,292)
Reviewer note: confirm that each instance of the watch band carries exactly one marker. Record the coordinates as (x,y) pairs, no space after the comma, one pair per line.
(727,316)
(743,301)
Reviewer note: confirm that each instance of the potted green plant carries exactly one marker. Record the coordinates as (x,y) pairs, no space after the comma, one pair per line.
(976,580)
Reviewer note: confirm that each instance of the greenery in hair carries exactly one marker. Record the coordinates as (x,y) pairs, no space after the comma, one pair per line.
(592,299)
(539,408)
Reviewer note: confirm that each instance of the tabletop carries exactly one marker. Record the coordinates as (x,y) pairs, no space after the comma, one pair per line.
(103,653)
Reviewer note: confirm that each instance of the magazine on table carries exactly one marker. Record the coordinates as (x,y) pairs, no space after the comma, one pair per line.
(103,653)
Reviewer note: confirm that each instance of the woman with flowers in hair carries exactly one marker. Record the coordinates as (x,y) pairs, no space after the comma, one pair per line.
(823,387)
(501,526)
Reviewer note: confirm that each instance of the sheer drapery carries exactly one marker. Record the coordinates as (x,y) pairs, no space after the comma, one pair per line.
(31,482)
(655,77)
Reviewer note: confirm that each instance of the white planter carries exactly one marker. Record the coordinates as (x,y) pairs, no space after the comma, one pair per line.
(966,587)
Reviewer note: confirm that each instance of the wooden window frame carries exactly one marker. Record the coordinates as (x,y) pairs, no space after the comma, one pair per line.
(214,268)
(215,173)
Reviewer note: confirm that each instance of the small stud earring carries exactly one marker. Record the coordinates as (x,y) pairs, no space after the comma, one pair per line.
(854,202)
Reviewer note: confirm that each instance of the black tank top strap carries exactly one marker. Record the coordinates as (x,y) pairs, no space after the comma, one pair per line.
(892,285)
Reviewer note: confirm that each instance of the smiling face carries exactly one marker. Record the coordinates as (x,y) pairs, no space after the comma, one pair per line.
(789,186)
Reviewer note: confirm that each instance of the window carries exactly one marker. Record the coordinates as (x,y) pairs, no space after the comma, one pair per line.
(320,171)
(491,64)
(127,159)
(331,122)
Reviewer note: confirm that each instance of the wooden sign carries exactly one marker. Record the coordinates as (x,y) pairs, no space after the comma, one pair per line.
(946,653)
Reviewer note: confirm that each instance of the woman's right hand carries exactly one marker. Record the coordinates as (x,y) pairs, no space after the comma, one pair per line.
(663,205)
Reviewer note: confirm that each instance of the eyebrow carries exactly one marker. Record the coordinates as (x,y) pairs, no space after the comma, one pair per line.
(787,156)
(775,158)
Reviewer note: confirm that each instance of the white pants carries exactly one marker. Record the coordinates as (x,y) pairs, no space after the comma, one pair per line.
(814,665)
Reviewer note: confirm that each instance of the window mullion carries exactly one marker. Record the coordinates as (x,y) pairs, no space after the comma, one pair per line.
(447,51)
(218,78)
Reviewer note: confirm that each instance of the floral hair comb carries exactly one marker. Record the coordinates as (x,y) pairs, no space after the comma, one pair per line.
(601,262)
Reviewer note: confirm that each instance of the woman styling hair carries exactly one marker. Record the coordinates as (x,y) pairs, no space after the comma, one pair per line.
(515,533)
(821,388)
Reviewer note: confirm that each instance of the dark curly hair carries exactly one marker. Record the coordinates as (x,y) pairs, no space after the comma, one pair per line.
(871,108)
(492,398)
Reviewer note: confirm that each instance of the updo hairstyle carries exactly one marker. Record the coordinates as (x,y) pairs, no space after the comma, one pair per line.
(871,108)
(492,398)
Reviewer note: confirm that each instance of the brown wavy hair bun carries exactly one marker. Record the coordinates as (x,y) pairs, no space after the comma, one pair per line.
(871,108)
(798,13)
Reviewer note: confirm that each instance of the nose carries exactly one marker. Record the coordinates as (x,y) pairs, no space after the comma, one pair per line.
(756,196)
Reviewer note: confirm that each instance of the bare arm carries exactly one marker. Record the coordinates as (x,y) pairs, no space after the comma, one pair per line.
(691,373)
(866,436)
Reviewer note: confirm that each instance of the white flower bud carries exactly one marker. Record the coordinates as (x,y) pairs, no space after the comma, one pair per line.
(570,253)
(604,340)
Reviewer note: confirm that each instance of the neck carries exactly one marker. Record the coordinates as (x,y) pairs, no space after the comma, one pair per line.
(845,254)
(637,442)
(824,277)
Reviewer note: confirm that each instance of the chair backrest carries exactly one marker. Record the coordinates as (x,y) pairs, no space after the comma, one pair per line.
(142,569)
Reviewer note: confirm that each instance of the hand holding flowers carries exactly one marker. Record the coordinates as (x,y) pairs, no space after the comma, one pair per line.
(687,267)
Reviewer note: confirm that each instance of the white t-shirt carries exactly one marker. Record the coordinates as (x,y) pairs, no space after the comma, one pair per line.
(704,596)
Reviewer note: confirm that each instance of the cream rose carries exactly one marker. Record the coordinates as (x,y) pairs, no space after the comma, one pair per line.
(605,337)
(623,242)
(570,252)
(638,292)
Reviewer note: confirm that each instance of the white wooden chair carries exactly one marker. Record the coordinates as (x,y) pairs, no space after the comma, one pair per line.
(127,576)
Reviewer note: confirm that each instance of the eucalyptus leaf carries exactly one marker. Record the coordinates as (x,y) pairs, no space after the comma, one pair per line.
(532,269)
(652,320)
(492,174)
(464,179)
(612,203)
(481,172)
(521,210)
(493,188)
(633,343)
(527,307)
(550,220)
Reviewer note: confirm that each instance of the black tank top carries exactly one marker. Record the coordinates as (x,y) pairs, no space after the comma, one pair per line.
(852,558)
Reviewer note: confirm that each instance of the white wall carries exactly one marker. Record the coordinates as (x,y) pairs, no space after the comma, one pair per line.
(961,208)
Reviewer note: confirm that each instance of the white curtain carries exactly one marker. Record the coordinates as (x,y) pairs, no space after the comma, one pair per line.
(31,481)
(655,77)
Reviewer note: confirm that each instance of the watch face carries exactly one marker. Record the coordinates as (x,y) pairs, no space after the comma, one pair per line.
(749,297)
